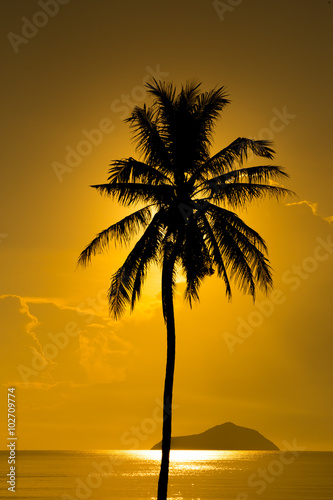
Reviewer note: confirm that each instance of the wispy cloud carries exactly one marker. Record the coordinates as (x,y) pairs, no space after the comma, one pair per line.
(314,208)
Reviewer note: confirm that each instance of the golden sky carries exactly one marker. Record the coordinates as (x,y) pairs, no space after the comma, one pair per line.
(73,78)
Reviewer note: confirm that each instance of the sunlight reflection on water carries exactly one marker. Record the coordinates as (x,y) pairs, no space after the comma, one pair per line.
(194,475)
(187,462)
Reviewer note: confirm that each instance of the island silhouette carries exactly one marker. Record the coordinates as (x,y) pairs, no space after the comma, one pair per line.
(227,436)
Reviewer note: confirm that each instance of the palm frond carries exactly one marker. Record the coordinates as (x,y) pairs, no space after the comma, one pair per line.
(235,260)
(119,292)
(126,283)
(186,99)
(235,153)
(147,136)
(217,257)
(163,107)
(121,231)
(131,170)
(242,249)
(150,252)
(128,193)
(239,195)
(164,92)
(208,108)
(259,174)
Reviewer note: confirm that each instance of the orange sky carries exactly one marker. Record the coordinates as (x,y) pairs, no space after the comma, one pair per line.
(266,366)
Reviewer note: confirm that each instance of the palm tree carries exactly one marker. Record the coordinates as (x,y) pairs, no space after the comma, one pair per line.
(186,200)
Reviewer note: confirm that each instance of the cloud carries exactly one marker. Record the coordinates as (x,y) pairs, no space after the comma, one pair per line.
(48,343)
(20,342)
(314,208)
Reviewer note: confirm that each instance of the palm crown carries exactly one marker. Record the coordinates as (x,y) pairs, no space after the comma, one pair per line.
(186,198)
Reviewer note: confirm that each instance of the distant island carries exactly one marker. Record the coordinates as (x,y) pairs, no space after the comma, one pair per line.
(226,436)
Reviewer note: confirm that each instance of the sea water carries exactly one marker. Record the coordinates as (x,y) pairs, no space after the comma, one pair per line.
(121,475)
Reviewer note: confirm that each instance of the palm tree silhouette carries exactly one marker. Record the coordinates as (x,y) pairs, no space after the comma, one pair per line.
(186,216)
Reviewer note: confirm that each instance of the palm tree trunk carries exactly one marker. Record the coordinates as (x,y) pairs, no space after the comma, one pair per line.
(168,312)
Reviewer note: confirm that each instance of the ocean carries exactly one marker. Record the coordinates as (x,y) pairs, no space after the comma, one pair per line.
(122,475)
